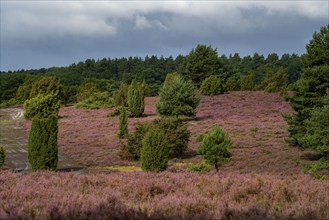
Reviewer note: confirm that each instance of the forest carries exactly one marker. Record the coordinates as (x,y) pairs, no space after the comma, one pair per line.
(200,136)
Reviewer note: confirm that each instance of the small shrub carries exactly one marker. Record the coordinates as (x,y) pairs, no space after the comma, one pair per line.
(200,167)
(253,132)
(2,156)
(177,97)
(213,85)
(96,101)
(176,132)
(42,106)
(42,143)
(155,152)
(215,147)
(123,123)
(120,95)
(136,95)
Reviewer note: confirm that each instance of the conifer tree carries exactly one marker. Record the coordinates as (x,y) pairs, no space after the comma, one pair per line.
(136,95)
(42,143)
(178,98)
(309,91)
(201,63)
(215,147)
(155,152)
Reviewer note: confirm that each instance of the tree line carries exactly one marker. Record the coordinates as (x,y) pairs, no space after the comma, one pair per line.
(238,73)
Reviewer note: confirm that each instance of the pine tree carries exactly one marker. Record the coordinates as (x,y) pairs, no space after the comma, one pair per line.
(136,95)
(155,152)
(42,143)
(178,98)
(310,89)
(201,63)
(215,147)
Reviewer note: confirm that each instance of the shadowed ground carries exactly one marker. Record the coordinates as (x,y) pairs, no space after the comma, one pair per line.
(14,139)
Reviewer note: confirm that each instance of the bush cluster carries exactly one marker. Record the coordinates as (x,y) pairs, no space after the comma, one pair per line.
(42,143)
(176,132)
(213,85)
(96,101)
(42,106)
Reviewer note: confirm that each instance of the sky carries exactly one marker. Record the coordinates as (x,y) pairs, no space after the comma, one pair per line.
(42,34)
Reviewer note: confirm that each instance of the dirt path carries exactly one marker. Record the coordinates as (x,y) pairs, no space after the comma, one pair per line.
(14,139)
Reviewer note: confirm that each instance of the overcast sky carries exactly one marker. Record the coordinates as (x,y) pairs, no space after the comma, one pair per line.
(36,34)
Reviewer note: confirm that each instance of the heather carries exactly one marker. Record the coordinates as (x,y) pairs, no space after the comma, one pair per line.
(139,195)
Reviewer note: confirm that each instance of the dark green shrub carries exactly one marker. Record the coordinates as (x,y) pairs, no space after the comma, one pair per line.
(134,142)
(176,132)
(42,106)
(96,101)
(136,95)
(177,98)
(177,135)
(213,85)
(42,143)
(120,95)
(155,152)
(215,147)
(45,86)
(68,94)
(123,123)
(2,156)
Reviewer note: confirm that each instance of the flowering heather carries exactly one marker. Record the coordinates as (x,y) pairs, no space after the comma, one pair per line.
(141,195)
(89,137)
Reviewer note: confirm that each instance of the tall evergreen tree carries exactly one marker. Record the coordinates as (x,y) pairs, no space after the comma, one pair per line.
(42,143)
(310,89)
(201,63)
(136,95)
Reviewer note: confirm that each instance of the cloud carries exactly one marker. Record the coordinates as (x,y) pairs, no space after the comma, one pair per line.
(81,29)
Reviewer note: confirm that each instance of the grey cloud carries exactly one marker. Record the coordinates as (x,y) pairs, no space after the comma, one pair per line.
(39,34)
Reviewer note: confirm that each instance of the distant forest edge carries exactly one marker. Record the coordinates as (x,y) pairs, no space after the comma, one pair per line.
(271,73)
